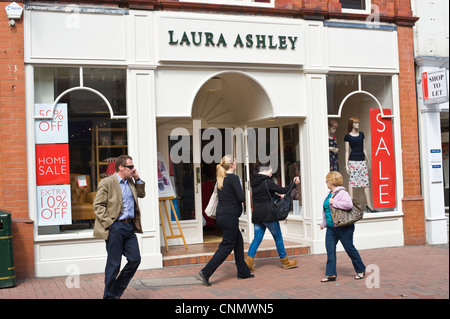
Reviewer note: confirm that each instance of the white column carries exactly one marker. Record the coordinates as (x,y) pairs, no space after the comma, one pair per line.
(317,159)
(432,167)
(142,147)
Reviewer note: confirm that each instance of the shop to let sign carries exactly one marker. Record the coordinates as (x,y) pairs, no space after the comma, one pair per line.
(434,87)
(383,160)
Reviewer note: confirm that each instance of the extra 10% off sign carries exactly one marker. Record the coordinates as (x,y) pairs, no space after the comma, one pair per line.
(54,206)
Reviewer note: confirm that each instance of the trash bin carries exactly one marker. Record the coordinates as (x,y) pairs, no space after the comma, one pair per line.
(7,270)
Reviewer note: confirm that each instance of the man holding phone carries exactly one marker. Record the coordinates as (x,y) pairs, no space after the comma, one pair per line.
(118,218)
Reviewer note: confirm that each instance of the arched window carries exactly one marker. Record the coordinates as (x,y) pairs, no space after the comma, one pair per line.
(369,98)
(81,113)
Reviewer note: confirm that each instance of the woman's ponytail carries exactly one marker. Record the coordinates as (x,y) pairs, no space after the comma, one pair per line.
(221,169)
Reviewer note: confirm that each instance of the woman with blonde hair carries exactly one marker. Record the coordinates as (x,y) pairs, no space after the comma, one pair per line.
(229,209)
(339,198)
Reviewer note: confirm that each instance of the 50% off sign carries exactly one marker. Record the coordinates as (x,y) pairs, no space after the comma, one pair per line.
(54,130)
(54,205)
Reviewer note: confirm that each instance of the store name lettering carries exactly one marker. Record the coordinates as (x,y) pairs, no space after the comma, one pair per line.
(209,39)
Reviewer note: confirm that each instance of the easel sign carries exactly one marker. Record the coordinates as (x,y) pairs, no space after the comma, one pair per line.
(165,188)
(166,196)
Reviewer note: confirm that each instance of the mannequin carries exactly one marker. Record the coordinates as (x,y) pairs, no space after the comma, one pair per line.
(357,162)
(332,143)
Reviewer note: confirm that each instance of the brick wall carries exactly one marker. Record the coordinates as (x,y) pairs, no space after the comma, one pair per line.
(413,208)
(13,152)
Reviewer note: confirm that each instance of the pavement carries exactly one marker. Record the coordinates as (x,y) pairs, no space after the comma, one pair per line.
(397,273)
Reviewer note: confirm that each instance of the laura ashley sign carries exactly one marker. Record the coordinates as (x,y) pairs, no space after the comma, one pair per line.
(260,41)
(205,38)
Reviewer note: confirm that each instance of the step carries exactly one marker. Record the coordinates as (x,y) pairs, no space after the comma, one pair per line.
(202,253)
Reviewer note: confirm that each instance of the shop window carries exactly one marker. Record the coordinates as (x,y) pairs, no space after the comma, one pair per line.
(291,156)
(182,174)
(368,98)
(78,144)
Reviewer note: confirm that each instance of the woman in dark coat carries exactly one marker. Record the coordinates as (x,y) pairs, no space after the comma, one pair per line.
(262,216)
(229,209)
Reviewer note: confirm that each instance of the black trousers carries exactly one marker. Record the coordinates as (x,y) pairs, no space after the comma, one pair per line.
(122,241)
(232,240)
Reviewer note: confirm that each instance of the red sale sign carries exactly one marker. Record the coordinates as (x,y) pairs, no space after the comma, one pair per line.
(383,160)
(52,164)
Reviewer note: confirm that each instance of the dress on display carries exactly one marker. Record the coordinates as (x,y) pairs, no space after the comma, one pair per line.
(359,176)
(334,164)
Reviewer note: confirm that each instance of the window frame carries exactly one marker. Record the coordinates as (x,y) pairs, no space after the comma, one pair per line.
(367,10)
(250,3)
(87,233)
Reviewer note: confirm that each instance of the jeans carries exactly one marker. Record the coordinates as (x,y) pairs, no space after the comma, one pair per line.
(275,230)
(345,235)
(122,241)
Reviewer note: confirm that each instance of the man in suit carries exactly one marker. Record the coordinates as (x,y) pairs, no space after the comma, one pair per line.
(117,219)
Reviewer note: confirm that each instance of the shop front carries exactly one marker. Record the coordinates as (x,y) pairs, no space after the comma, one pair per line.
(177,91)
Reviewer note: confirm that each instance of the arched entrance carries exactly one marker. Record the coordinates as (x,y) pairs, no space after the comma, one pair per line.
(227,110)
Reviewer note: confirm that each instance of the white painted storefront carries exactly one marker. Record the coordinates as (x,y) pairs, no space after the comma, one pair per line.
(189,72)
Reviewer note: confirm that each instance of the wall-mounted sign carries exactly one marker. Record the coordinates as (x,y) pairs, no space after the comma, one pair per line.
(54,206)
(52,164)
(54,131)
(434,87)
(383,160)
(208,38)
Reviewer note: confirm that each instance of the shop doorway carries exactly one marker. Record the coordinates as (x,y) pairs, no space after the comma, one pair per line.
(231,113)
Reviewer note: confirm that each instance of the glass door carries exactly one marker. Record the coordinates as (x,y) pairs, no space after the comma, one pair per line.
(178,148)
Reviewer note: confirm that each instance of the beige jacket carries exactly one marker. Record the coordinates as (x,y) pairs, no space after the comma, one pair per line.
(108,205)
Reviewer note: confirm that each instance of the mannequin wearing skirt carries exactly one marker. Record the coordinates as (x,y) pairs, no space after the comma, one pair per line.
(357,162)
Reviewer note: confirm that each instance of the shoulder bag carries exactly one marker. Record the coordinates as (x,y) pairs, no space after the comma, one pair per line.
(280,207)
(346,217)
(210,209)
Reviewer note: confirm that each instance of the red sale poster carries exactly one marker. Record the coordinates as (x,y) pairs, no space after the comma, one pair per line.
(383,160)
(52,164)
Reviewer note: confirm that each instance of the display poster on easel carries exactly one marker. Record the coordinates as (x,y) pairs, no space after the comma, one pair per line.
(165,188)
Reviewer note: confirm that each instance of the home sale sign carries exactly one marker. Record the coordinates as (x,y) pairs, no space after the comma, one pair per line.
(52,166)
(383,160)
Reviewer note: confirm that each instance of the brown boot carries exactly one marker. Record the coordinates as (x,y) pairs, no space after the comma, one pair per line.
(249,261)
(288,264)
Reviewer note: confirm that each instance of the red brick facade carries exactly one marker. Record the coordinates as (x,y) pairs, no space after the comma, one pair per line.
(13,144)
(13,155)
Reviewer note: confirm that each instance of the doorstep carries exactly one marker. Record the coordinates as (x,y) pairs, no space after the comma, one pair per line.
(202,253)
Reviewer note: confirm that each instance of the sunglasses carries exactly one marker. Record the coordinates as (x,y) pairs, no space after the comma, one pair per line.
(129,166)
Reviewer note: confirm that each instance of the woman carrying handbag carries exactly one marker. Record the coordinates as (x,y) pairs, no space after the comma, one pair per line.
(229,209)
(263,189)
(338,197)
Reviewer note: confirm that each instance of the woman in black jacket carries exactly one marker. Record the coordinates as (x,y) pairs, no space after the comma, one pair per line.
(262,217)
(229,209)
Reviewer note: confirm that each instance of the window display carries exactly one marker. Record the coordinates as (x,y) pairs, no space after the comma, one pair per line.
(76,148)
(356,101)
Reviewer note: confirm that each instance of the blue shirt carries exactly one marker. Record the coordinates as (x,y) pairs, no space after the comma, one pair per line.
(127,198)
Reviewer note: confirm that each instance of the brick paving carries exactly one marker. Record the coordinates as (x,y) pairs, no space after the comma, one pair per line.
(410,272)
